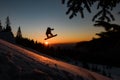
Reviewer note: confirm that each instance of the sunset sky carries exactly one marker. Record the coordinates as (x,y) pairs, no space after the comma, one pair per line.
(34,16)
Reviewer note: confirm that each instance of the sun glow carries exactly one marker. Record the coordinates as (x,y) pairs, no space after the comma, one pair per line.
(46,43)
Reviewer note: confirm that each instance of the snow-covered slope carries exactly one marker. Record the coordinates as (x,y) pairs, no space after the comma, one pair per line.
(28,60)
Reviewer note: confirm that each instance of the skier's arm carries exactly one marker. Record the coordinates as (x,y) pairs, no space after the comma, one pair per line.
(52,29)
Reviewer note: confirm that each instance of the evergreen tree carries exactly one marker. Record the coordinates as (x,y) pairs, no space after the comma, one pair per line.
(8,27)
(19,34)
(0,26)
(104,8)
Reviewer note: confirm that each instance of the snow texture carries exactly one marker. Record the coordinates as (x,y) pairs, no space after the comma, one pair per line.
(23,64)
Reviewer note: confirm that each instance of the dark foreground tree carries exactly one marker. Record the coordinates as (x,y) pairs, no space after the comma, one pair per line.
(104,8)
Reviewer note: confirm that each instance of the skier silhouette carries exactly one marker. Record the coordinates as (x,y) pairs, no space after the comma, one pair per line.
(48,32)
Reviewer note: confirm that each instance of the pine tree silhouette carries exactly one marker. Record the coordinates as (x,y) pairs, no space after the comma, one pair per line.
(19,34)
(0,26)
(104,8)
(8,27)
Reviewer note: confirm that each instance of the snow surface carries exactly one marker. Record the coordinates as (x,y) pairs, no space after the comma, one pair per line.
(41,62)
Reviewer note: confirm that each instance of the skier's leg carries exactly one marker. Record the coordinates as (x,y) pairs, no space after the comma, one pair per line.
(51,34)
(47,35)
